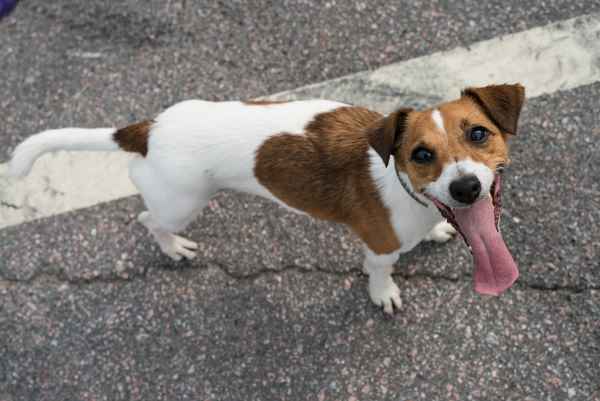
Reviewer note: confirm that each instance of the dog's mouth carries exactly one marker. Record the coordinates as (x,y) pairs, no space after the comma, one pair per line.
(478,225)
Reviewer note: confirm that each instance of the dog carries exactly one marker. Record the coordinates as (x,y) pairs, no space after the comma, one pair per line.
(391,178)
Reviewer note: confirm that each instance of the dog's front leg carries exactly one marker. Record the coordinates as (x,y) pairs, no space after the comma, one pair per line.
(441,232)
(382,289)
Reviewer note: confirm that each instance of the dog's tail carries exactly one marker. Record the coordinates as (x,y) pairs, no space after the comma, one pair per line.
(133,138)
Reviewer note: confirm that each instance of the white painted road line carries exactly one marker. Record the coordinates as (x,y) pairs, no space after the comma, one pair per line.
(61,182)
(546,59)
(558,56)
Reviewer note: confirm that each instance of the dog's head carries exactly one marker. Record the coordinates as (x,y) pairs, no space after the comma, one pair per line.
(452,154)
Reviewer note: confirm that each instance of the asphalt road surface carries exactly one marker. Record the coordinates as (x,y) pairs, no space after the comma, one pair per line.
(275,307)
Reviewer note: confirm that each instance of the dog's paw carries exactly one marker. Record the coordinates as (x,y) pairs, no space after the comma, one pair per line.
(442,232)
(177,247)
(385,293)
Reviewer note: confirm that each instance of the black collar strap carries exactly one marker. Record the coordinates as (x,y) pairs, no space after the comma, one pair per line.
(407,188)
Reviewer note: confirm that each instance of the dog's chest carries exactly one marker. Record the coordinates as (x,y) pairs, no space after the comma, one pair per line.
(410,220)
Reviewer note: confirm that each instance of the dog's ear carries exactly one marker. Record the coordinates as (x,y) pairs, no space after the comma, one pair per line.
(501,103)
(385,134)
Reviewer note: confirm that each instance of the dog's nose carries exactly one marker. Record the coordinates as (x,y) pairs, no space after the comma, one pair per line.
(466,189)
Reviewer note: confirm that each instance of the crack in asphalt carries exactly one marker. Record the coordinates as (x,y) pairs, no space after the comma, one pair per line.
(61,276)
(555,287)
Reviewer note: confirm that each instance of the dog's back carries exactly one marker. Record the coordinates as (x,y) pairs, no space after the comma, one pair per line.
(217,141)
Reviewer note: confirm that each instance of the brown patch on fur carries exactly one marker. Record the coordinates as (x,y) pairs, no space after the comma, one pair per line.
(259,102)
(502,104)
(134,138)
(325,173)
(386,133)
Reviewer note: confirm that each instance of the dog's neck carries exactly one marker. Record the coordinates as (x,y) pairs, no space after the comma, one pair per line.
(395,185)
(404,181)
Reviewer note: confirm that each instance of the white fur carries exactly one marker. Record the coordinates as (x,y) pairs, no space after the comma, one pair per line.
(438,119)
(440,188)
(33,147)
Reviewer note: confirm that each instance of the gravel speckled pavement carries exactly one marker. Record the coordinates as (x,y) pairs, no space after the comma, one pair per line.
(274,307)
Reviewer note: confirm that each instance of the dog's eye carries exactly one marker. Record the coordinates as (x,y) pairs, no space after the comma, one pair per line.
(478,134)
(422,156)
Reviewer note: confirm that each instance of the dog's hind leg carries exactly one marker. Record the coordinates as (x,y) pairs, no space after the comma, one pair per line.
(170,209)
(173,245)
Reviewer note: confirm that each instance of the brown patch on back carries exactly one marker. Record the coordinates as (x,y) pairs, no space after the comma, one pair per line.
(325,173)
(259,102)
(134,138)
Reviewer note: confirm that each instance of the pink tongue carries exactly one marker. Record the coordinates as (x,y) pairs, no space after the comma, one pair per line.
(495,269)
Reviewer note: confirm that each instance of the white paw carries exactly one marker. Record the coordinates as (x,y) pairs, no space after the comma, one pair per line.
(384,292)
(177,247)
(442,232)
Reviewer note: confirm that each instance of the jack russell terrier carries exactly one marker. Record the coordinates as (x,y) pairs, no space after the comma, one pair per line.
(385,177)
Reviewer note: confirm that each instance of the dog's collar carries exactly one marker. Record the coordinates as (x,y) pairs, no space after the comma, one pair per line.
(408,189)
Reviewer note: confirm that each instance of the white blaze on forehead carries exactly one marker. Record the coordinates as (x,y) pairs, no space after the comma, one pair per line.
(438,120)
(440,188)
